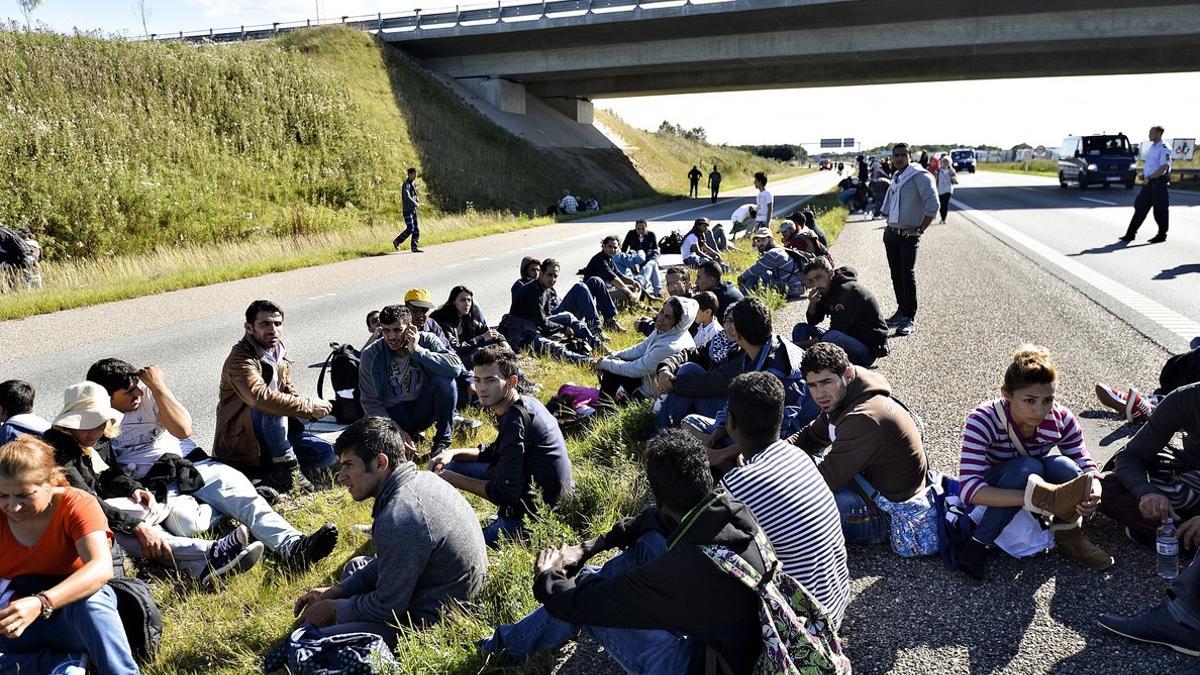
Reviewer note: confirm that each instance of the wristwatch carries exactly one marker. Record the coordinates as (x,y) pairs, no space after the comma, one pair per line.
(47,606)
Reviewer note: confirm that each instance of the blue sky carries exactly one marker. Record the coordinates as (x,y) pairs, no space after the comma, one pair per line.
(997,112)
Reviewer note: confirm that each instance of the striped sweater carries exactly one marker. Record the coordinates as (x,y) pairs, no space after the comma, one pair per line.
(986,444)
(795,509)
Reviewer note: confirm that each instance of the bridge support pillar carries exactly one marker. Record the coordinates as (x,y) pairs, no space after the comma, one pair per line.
(577,109)
(502,94)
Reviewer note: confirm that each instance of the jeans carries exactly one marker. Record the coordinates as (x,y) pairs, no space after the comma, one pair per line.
(1185,591)
(944,204)
(694,189)
(543,346)
(511,528)
(637,266)
(433,406)
(859,353)
(90,625)
(845,196)
(311,451)
(878,190)
(636,650)
(588,301)
(902,260)
(230,493)
(574,325)
(861,522)
(676,406)
(719,240)
(188,554)
(411,226)
(749,280)
(1013,475)
(1154,194)
(1120,505)
(716,188)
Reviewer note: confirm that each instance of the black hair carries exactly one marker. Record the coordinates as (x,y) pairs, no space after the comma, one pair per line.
(752,321)
(707,300)
(677,469)
(902,146)
(412,169)
(818,263)
(810,219)
(613,238)
(756,406)
(550,262)
(112,374)
(761,176)
(16,397)
(372,436)
(676,308)
(824,356)
(712,268)
(393,313)
(696,225)
(372,313)
(258,306)
(502,356)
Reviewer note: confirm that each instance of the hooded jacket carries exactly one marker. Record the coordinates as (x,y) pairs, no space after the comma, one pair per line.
(642,359)
(521,278)
(851,309)
(872,435)
(682,590)
(245,386)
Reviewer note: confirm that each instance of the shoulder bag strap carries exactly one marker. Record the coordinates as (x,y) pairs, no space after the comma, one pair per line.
(1008,428)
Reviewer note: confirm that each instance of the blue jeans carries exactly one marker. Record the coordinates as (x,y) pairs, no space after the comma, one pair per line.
(861,523)
(636,650)
(411,226)
(676,407)
(433,406)
(859,353)
(510,528)
(588,301)
(718,236)
(310,450)
(1013,475)
(90,626)
(230,493)
(749,280)
(845,196)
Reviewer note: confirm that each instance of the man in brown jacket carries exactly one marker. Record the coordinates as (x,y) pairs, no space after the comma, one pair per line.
(876,445)
(255,401)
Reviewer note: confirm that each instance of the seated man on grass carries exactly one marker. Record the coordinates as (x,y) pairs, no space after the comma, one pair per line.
(409,376)
(256,401)
(775,268)
(871,438)
(624,290)
(785,492)
(856,324)
(429,553)
(536,320)
(661,606)
(528,459)
(16,412)
(696,380)
(708,278)
(155,435)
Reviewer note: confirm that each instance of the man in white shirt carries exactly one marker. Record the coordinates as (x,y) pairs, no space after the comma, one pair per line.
(765,205)
(742,219)
(1155,174)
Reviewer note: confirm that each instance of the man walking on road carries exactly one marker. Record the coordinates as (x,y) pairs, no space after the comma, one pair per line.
(1155,176)
(910,205)
(694,181)
(764,206)
(409,201)
(714,183)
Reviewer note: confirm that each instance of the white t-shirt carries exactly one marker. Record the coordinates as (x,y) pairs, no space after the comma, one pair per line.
(741,214)
(765,201)
(689,243)
(143,440)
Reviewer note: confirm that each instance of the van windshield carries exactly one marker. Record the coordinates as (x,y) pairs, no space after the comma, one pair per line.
(1094,146)
(961,154)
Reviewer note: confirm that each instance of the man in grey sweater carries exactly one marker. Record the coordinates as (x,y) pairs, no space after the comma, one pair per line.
(429,550)
(910,205)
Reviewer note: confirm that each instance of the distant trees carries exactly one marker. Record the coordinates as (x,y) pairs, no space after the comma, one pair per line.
(782,152)
(27,7)
(693,134)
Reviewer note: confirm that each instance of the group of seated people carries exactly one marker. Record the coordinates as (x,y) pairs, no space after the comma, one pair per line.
(795,441)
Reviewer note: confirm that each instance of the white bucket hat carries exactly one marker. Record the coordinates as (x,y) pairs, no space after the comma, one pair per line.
(86,405)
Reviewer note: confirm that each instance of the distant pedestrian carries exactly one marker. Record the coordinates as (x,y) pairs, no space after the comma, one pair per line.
(714,183)
(841,166)
(764,208)
(910,205)
(947,177)
(410,201)
(1155,177)
(694,181)
(923,161)
(862,169)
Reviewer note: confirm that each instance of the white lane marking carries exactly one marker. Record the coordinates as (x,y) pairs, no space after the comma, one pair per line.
(324,295)
(1168,319)
(1098,201)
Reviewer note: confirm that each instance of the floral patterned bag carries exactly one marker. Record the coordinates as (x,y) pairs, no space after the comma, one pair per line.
(797,638)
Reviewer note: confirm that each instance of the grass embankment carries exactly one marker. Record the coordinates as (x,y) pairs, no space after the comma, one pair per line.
(143,168)
(229,630)
(1035,167)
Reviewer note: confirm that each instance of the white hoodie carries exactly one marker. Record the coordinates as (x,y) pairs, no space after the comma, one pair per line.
(642,359)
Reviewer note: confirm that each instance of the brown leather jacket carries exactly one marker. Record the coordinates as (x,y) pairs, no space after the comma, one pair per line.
(245,386)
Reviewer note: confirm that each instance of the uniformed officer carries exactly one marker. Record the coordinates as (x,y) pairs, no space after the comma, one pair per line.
(1154,189)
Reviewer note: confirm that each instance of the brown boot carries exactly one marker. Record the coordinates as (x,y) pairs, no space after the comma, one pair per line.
(1057,500)
(1075,546)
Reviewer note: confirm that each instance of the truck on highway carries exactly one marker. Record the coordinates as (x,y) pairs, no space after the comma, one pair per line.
(1102,159)
(963,159)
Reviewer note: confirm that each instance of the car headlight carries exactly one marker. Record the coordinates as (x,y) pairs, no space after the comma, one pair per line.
(1133,166)
(1091,167)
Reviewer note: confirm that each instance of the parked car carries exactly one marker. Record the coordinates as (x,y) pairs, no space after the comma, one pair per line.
(963,159)
(826,165)
(1101,159)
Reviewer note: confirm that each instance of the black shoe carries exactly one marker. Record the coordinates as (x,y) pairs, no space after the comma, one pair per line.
(286,476)
(972,559)
(1159,626)
(1157,239)
(1127,238)
(417,250)
(309,549)
(396,243)
(232,554)
(896,319)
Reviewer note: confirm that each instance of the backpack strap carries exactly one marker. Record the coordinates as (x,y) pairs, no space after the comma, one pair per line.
(333,346)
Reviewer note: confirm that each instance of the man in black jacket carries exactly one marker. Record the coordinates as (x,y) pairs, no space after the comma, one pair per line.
(681,592)
(856,324)
(708,278)
(693,382)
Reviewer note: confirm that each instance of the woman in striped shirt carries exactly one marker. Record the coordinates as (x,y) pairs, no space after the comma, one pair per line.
(1007,464)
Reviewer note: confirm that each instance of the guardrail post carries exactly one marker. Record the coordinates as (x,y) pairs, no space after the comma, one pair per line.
(308,23)
(242,35)
(153,37)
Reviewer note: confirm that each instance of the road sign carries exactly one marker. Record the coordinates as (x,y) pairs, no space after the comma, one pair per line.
(847,142)
(831,142)
(1039,151)
(1183,148)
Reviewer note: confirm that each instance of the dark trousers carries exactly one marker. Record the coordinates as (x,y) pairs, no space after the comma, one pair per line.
(1153,194)
(610,382)
(412,227)
(1117,503)
(716,187)
(902,260)
(944,201)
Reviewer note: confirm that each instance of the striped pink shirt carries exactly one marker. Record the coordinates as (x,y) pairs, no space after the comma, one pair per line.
(986,444)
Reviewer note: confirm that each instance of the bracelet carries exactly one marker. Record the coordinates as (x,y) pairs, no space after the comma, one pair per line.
(47,606)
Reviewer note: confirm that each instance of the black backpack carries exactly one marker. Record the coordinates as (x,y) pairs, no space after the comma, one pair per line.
(139,615)
(13,249)
(342,364)
(670,244)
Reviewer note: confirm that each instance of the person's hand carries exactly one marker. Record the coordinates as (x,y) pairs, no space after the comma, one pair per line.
(1156,507)
(910,233)
(410,338)
(308,598)
(18,615)
(715,438)
(493,334)
(321,408)
(438,462)
(719,456)
(153,546)
(152,376)
(573,557)
(320,613)
(1088,506)
(666,382)
(548,559)
(1188,533)
(596,365)
(145,498)
(814,295)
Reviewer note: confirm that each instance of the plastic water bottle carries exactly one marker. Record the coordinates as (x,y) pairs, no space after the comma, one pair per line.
(1168,550)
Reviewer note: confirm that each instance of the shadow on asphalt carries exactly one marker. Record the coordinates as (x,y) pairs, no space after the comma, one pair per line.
(1177,271)
(1107,248)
